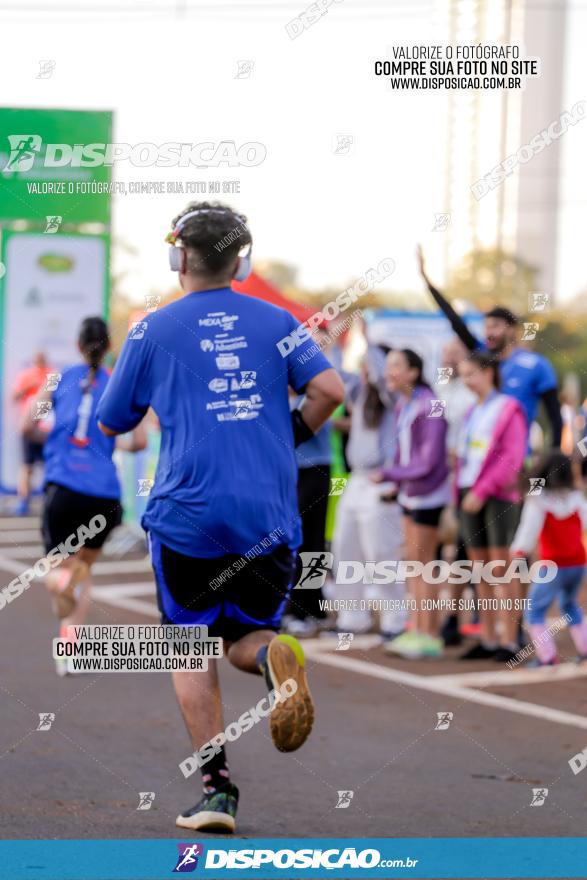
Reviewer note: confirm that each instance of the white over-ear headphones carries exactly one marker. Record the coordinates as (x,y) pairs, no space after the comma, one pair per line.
(177,254)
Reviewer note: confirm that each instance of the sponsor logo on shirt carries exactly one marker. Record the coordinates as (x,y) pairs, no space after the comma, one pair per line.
(218,385)
(227,362)
(526,359)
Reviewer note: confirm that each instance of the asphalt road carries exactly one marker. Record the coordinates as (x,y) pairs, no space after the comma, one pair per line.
(115,735)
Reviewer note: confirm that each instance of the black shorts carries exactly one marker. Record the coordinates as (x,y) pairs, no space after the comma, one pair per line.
(424,516)
(64,511)
(31,451)
(494,526)
(230,595)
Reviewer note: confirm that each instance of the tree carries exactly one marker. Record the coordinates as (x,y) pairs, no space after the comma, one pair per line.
(490,277)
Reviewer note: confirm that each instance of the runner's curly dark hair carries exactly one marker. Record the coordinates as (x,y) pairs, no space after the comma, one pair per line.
(214,238)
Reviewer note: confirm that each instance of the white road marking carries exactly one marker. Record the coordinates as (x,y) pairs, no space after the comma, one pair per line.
(430,683)
(18,522)
(105,567)
(329,643)
(506,677)
(11,565)
(136,588)
(322,650)
(118,601)
(19,536)
(493,678)
(33,551)
(122,566)
(118,595)
(121,596)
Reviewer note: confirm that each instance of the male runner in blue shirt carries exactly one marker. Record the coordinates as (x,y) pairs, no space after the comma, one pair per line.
(222,516)
(525,375)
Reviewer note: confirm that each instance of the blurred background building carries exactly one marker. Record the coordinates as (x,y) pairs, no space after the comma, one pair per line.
(484,127)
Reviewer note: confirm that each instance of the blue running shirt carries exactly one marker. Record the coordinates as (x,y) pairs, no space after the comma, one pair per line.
(525,375)
(77,454)
(209,366)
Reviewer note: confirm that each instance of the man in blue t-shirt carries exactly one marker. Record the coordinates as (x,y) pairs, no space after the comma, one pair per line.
(222,516)
(525,375)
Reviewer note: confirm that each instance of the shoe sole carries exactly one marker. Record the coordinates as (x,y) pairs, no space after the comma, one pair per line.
(207,820)
(64,601)
(291,721)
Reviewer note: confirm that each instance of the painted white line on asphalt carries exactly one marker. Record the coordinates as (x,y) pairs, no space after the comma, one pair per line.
(19,522)
(429,683)
(135,588)
(120,596)
(329,643)
(111,567)
(321,650)
(508,677)
(32,552)
(499,677)
(122,566)
(11,565)
(147,608)
(125,566)
(19,536)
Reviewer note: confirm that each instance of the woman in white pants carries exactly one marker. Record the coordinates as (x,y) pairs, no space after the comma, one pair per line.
(368,529)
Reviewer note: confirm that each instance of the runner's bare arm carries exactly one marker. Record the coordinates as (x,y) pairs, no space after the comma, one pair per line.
(323,394)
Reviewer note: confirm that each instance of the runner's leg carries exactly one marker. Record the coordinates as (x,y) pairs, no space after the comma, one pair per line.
(347,544)
(83,588)
(198,695)
(382,539)
(243,653)
(425,540)
(487,616)
(508,619)
(412,584)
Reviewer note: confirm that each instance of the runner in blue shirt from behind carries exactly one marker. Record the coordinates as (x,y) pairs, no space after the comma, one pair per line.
(222,517)
(82,492)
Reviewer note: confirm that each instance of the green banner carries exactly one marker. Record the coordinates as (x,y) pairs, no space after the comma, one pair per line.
(50,165)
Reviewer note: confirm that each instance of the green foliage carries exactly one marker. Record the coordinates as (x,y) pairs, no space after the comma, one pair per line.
(563,339)
(491,277)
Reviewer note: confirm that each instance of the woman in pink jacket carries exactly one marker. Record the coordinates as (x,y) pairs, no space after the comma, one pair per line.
(490,455)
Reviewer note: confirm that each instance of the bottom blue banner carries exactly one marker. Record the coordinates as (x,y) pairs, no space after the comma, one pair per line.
(551,857)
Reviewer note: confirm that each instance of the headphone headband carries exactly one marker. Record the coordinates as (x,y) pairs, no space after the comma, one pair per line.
(177,255)
(172,236)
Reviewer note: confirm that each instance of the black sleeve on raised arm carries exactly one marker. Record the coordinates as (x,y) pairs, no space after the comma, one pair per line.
(553,411)
(456,322)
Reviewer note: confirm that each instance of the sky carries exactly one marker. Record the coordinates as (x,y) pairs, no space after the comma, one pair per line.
(170,75)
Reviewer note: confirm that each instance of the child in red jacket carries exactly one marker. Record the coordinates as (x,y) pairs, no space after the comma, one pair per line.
(555,520)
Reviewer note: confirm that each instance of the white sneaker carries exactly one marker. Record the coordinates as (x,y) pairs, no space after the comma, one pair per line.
(61,667)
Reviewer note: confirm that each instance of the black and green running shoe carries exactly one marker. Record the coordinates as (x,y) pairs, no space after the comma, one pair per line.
(215,812)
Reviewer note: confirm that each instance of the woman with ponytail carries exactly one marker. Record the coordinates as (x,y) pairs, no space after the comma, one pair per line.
(82,491)
(419,469)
